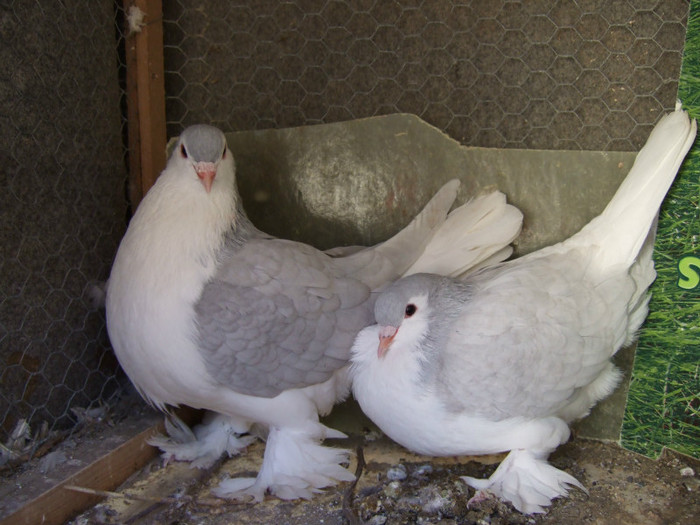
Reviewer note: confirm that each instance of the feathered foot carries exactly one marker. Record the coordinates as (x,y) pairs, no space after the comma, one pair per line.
(295,465)
(216,435)
(528,482)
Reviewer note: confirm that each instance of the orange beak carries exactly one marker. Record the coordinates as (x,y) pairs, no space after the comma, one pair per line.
(386,337)
(206,171)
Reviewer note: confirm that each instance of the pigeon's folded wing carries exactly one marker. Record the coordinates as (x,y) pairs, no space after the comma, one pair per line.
(530,335)
(278,315)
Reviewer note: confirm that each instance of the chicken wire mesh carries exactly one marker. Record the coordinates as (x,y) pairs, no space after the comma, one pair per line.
(587,75)
(63,212)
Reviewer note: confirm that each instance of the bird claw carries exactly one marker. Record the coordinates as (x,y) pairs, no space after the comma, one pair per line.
(479,497)
(526,481)
(295,466)
(253,490)
(481,485)
(200,454)
(203,446)
(240,490)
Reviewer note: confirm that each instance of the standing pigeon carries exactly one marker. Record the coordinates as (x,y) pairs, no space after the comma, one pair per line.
(504,359)
(205,310)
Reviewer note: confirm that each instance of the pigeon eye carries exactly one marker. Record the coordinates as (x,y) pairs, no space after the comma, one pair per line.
(183,151)
(410,310)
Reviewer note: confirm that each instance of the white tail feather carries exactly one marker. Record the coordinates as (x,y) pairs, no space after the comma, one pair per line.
(622,228)
(407,245)
(477,232)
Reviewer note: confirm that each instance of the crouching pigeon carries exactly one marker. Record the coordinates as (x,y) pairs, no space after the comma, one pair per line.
(205,310)
(504,359)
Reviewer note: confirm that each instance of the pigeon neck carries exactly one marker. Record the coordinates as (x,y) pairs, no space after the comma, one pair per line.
(239,232)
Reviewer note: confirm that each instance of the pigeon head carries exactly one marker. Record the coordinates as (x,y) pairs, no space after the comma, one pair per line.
(402,310)
(202,149)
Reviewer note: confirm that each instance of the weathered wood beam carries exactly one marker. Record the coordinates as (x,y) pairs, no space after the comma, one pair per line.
(145,95)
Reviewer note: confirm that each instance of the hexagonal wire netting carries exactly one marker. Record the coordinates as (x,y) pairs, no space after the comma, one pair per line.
(63,212)
(591,75)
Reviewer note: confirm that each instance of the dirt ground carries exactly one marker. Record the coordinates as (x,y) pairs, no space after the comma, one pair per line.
(396,487)
(393,487)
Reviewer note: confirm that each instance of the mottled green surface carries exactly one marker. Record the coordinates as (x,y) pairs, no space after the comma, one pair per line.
(664,403)
(359,182)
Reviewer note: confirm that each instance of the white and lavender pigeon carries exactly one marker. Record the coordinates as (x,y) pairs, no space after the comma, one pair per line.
(205,310)
(504,359)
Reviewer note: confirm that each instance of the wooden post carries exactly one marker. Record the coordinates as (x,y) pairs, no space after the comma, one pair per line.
(57,505)
(145,95)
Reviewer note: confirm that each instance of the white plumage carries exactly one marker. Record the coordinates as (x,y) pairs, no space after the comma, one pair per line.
(205,310)
(504,359)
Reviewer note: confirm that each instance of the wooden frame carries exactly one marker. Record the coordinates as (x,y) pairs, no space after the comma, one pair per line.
(147,141)
(58,504)
(145,91)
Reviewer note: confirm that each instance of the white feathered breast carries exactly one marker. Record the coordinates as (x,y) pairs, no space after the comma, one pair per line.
(168,253)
